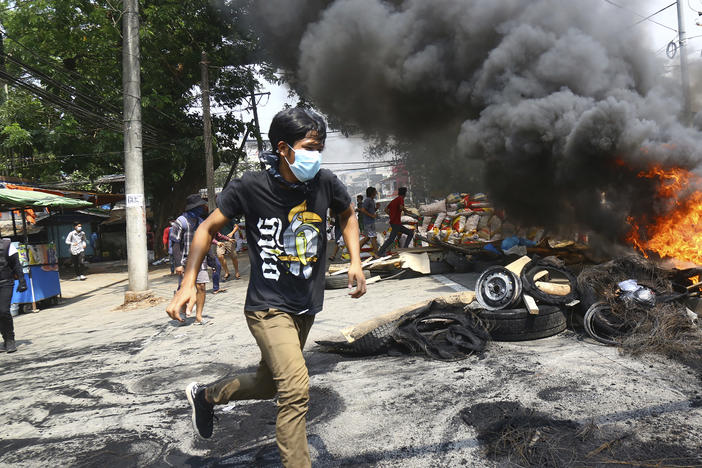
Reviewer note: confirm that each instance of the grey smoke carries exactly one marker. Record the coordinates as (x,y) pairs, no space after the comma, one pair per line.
(557,102)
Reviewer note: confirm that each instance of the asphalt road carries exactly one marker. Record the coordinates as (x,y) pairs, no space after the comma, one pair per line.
(95,386)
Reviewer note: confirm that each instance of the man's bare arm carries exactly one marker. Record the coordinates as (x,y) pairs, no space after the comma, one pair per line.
(198,249)
(351,234)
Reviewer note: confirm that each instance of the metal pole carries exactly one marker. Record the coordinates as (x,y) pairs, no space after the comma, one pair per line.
(137,260)
(684,76)
(207,129)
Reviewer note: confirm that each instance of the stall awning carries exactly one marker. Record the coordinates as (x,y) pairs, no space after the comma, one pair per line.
(11,199)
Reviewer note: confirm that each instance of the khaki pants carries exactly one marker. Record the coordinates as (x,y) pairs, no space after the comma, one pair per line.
(282,370)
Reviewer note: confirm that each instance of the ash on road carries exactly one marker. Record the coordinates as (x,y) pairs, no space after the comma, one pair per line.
(95,386)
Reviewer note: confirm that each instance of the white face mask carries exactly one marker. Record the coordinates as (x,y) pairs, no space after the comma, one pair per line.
(78,228)
(306,165)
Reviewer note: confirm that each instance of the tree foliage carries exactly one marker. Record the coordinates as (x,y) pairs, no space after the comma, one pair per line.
(71,50)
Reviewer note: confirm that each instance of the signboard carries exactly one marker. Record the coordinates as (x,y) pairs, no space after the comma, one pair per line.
(134,200)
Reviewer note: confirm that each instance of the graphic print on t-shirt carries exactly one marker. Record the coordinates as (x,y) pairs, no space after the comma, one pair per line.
(299,247)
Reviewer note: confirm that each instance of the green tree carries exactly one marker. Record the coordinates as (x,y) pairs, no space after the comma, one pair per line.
(63,59)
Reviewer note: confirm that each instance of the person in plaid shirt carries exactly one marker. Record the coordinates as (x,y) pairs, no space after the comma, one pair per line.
(181,237)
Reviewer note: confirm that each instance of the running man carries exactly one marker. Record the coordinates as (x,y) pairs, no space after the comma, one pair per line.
(285,208)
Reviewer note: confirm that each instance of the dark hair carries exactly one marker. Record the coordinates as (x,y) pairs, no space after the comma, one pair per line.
(76,223)
(402,191)
(292,125)
(370,191)
(359,196)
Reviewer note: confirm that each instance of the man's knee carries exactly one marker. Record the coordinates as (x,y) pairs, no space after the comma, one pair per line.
(295,392)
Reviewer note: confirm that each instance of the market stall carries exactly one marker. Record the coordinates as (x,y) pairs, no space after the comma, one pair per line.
(39,261)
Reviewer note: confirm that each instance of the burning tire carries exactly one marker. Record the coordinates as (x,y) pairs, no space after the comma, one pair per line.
(341,281)
(520,325)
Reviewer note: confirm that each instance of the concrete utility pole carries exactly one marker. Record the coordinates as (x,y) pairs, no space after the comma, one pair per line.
(137,260)
(684,76)
(207,128)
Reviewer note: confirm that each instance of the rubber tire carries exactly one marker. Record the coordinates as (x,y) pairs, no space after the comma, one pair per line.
(377,340)
(341,281)
(533,267)
(520,325)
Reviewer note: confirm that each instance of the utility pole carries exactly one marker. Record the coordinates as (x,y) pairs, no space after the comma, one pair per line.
(137,260)
(684,76)
(3,68)
(256,123)
(207,128)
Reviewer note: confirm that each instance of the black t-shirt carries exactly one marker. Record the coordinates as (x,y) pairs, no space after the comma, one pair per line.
(285,230)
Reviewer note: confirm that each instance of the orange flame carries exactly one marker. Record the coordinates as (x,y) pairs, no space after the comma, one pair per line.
(678,233)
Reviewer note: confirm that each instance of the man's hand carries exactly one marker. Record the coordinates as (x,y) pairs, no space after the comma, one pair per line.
(356,274)
(22,287)
(180,270)
(185,297)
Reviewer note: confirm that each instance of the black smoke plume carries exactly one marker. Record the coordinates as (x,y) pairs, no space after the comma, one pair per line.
(562,102)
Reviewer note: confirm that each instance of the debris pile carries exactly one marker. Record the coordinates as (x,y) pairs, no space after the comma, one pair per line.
(462,218)
(628,302)
(519,436)
(470,226)
(441,329)
(632,303)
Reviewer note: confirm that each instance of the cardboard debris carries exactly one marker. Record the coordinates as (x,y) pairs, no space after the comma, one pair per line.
(417,262)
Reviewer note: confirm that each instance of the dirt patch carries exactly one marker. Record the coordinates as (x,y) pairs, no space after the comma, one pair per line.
(142,304)
(521,436)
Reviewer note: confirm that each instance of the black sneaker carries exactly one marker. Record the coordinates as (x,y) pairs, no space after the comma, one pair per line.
(203,411)
(10,346)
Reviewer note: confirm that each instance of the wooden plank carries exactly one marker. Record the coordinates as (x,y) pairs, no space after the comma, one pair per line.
(364,264)
(555,289)
(530,304)
(518,265)
(373,279)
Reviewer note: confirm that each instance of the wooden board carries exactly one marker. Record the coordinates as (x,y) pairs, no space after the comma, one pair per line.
(530,304)
(518,265)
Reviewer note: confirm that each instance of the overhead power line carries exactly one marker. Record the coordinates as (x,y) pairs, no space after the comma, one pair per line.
(654,14)
(644,18)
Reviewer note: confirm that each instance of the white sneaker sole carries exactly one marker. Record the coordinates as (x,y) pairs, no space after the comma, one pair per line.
(189,395)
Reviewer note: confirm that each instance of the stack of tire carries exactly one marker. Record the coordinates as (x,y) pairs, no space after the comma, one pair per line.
(499,292)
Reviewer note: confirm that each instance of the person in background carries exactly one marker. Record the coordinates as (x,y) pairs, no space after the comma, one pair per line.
(369,213)
(94,243)
(395,209)
(226,247)
(285,207)
(150,238)
(359,203)
(239,237)
(338,239)
(213,262)
(167,245)
(77,241)
(181,236)
(10,269)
